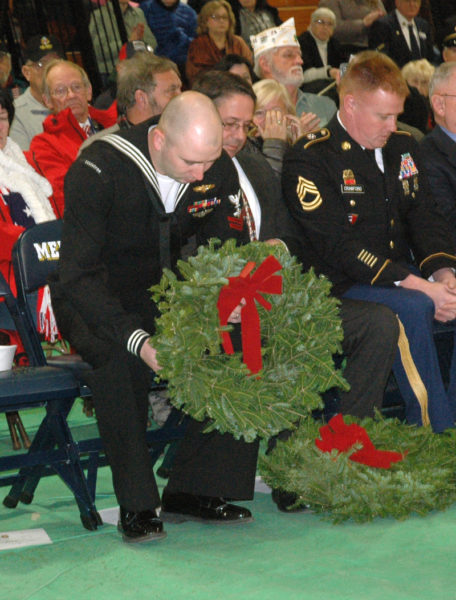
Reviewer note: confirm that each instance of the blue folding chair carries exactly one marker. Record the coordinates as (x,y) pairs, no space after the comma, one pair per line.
(35,257)
(53,446)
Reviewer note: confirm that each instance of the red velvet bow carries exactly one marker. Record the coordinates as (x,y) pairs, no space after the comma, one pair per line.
(340,436)
(249,287)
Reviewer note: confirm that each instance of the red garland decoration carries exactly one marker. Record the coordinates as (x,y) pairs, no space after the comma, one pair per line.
(249,287)
(337,435)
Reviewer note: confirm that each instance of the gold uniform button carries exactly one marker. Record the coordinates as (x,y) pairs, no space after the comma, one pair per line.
(392,222)
(352,202)
(391,244)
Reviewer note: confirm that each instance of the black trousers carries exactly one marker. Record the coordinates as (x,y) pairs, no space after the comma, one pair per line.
(371,332)
(206,464)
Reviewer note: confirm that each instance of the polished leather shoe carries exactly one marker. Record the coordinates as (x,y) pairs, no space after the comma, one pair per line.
(143,526)
(286,500)
(178,507)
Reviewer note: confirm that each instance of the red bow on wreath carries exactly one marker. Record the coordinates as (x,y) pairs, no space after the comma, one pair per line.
(249,287)
(340,436)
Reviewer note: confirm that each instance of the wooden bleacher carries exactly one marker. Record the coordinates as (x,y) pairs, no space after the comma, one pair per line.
(299,9)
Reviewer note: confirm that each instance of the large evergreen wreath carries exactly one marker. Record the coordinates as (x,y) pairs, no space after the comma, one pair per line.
(299,336)
(332,484)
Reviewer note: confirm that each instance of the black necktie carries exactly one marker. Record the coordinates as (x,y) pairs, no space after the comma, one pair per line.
(415,49)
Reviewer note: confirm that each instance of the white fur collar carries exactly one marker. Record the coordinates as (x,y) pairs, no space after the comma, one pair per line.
(18,176)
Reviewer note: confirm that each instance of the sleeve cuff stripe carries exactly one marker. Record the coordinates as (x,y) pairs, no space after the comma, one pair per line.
(136,340)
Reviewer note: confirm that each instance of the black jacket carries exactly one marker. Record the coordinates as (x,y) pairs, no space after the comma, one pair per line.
(357,224)
(386,35)
(439,157)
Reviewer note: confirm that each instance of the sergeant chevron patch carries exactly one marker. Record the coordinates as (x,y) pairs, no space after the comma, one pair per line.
(306,188)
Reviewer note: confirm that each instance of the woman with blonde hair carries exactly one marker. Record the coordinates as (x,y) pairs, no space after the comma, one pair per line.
(215,39)
(418,73)
(276,123)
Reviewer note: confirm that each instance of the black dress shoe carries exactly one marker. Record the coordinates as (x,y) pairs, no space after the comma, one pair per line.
(178,507)
(285,501)
(143,526)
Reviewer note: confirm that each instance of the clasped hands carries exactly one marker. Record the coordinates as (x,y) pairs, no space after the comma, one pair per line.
(442,291)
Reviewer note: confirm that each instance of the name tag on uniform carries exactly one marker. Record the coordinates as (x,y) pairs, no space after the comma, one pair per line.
(352,189)
(350,186)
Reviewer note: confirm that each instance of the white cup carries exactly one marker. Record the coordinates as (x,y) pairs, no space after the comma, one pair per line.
(6,357)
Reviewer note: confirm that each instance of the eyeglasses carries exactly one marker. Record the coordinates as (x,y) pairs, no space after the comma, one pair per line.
(449,95)
(220,17)
(62,91)
(323,22)
(235,126)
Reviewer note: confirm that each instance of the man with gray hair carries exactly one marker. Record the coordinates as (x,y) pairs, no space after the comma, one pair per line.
(67,93)
(439,146)
(145,85)
(277,55)
(321,53)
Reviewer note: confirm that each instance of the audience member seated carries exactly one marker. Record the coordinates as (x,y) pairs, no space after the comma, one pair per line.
(439,146)
(128,50)
(417,74)
(105,34)
(174,25)
(264,215)
(29,109)
(253,16)
(238,65)
(449,48)
(278,56)
(7,79)
(145,85)
(215,39)
(24,197)
(67,93)
(361,197)
(321,53)
(276,123)
(402,34)
(354,19)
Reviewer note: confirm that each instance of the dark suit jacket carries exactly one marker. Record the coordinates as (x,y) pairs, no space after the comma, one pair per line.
(311,56)
(276,221)
(386,35)
(439,157)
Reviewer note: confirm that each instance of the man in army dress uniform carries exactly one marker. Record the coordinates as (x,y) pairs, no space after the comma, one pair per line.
(357,189)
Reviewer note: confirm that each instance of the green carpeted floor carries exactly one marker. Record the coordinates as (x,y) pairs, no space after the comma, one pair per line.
(278,556)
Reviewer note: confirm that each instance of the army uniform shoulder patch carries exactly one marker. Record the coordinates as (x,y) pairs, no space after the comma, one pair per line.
(308,194)
(307,140)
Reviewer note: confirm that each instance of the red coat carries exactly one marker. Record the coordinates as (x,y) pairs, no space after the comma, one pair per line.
(9,232)
(203,54)
(52,152)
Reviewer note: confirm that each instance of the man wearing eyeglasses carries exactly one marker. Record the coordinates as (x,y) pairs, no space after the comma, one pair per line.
(277,56)
(67,93)
(439,146)
(30,110)
(321,53)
